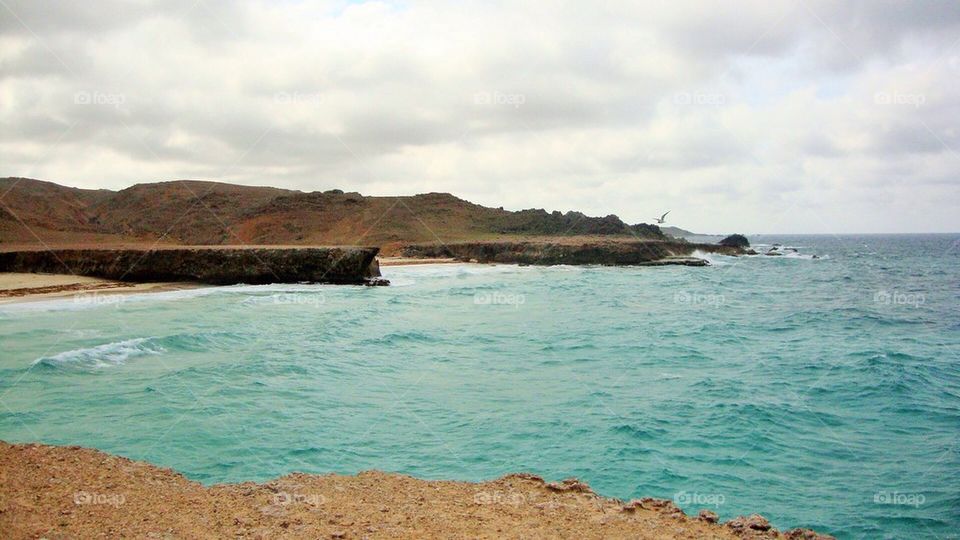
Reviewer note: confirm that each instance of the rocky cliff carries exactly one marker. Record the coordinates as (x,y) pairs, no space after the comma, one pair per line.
(620,253)
(217,266)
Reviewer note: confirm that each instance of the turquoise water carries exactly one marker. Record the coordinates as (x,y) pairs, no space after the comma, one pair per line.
(821,393)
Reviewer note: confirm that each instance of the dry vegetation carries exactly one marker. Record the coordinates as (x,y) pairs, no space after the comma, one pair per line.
(209,213)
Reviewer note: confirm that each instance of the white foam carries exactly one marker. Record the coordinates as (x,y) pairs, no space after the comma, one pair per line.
(104,300)
(403,273)
(99,356)
(715,259)
(89,300)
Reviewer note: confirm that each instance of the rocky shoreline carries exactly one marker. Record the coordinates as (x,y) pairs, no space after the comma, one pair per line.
(209,265)
(219,265)
(74,492)
(611,253)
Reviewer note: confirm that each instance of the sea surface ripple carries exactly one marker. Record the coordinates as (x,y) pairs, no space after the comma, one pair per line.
(822,393)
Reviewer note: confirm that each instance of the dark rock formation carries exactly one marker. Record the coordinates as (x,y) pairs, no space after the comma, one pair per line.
(708,516)
(217,266)
(550,253)
(754,522)
(569,484)
(806,534)
(735,240)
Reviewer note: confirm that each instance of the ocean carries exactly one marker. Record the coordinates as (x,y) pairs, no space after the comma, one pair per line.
(819,392)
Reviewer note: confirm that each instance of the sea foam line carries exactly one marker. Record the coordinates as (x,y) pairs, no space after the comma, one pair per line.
(108,354)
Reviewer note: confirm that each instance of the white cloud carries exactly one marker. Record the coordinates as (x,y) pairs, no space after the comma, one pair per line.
(726,113)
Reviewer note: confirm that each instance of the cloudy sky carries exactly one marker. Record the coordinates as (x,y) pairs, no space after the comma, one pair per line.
(754,116)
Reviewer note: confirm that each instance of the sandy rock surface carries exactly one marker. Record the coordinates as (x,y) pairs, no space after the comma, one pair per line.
(73,492)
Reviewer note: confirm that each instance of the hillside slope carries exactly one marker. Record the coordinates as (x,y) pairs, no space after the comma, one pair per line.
(212,213)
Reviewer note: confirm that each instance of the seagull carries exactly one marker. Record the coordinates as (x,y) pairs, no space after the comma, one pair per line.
(662,219)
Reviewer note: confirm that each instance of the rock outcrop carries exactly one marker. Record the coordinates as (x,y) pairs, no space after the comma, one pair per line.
(216,266)
(73,492)
(613,253)
(735,240)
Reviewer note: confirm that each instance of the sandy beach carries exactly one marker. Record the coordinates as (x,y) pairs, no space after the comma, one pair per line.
(73,492)
(23,287)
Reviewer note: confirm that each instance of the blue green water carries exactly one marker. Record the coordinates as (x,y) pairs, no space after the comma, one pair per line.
(822,393)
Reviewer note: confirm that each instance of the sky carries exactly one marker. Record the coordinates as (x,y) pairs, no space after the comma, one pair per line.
(763,116)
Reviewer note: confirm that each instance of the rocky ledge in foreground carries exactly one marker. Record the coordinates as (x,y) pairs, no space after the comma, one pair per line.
(73,492)
(215,266)
(619,253)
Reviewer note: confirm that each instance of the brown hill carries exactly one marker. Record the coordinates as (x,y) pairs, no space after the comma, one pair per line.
(211,213)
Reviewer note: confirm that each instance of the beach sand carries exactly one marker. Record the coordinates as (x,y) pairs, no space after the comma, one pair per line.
(73,492)
(22,287)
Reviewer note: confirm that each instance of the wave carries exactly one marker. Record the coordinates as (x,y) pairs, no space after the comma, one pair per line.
(114,300)
(804,256)
(126,299)
(100,356)
(118,352)
(715,259)
(451,270)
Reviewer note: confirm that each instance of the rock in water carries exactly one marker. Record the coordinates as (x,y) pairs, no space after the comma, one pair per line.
(736,240)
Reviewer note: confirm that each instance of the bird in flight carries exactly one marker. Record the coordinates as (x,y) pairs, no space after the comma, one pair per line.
(662,219)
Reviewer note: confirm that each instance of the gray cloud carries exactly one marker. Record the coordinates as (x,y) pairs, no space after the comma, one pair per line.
(713,109)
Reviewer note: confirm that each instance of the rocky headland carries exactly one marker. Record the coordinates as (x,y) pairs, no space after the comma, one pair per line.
(73,492)
(209,265)
(609,252)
